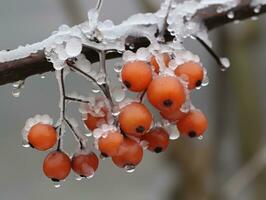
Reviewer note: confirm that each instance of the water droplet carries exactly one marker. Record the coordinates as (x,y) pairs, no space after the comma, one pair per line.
(42,76)
(205,81)
(57,185)
(200,137)
(118,67)
(78,178)
(95,90)
(225,62)
(119,94)
(25,144)
(131,46)
(90,176)
(130,168)
(254,18)
(230,15)
(16,92)
(89,134)
(257,9)
(173,132)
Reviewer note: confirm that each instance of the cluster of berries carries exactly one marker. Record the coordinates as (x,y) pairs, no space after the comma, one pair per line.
(124,136)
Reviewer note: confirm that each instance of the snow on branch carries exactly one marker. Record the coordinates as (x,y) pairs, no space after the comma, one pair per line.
(176,22)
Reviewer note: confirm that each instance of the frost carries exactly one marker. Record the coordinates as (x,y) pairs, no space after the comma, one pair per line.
(44,119)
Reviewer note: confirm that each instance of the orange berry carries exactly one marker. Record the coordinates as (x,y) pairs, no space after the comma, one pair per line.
(158,140)
(109,145)
(93,122)
(173,116)
(193,72)
(166,59)
(135,119)
(136,75)
(57,165)
(42,136)
(85,165)
(193,124)
(166,93)
(130,153)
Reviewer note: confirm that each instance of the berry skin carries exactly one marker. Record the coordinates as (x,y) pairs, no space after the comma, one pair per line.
(93,122)
(193,72)
(135,119)
(130,153)
(109,145)
(85,165)
(42,136)
(136,75)
(166,93)
(166,59)
(158,140)
(173,116)
(193,124)
(57,165)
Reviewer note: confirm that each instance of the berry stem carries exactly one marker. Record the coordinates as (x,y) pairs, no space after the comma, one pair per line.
(211,52)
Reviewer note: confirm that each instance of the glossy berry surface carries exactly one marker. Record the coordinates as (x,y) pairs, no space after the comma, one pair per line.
(93,122)
(193,124)
(42,136)
(166,93)
(85,165)
(158,140)
(136,75)
(154,63)
(130,153)
(57,165)
(109,144)
(173,116)
(135,119)
(191,71)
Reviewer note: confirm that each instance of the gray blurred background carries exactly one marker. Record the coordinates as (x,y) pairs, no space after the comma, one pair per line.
(212,168)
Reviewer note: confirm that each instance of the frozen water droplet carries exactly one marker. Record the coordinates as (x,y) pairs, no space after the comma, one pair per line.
(118,67)
(95,90)
(102,157)
(131,46)
(200,137)
(73,47)
(173,132)
(130,168)
(205,81)
(230,15)
(25,144)
(90,176)
(16,84)
(89,134)
(57,184)
(78,178)
(42,76)
(254,18)
(119,94)
(257,9)
(225,62)
(16,92)
(144,144)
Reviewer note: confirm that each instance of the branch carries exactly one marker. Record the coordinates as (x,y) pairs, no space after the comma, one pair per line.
(37,64)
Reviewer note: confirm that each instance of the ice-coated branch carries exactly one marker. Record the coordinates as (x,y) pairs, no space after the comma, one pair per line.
(36,63)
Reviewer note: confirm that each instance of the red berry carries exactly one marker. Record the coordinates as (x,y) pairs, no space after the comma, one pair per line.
(193,124)
(109,145)
(166,93)
(193,72)
(136,75)
(85,165)
(158,140)
(42,136)
(166,59)
(129,154)
(135,119)
(173,116)
(93,122)
(57,165)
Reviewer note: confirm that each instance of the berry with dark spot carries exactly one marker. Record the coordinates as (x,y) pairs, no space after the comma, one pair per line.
(194,124)
(158,139)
